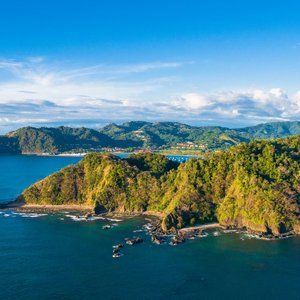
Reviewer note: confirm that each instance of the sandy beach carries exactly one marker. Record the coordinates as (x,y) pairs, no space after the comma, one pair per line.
(200,227)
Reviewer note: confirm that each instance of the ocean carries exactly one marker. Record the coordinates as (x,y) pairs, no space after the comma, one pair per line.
(60,256)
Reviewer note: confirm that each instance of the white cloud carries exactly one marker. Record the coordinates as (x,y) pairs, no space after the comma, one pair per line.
(63,85)
(41,93)
(193,101)
(256,105)
(297,100)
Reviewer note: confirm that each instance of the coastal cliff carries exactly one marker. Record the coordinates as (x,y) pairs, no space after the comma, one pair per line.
(254,186)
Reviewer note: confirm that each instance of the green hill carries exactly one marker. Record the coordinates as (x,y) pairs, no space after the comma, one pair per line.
(142,135)
(9,145)
(169,134)
(271,130)
(254,186)
(60,139)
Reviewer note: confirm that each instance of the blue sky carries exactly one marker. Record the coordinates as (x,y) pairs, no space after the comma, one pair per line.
(231,63)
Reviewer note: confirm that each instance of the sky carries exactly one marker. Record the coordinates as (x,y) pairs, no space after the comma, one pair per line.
(92,62)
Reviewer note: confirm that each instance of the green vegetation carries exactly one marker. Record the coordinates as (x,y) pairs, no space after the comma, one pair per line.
(168,134)
(9,145)
(156,164)
(165,137)
(254,185)
(104,181)
(58,140)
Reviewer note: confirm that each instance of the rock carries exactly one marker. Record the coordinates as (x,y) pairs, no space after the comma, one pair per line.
(88,215)
(178,239)
(119,246)
(155,239)
(105,227)
(132,242)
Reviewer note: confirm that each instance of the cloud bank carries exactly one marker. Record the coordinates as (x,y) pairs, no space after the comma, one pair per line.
(34,92)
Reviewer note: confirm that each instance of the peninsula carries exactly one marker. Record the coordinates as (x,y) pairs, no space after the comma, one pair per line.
(253,185)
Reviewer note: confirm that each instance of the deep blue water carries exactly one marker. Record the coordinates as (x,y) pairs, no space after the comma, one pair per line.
(19,171)
(55,257)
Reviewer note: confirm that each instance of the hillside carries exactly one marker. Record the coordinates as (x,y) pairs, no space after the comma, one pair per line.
(169,134)
(60,139)
(9,145)
(271,130)
(254,186)
(139,135)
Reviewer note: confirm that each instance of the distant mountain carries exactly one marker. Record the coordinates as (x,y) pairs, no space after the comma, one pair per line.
(9,145)
(168,134)
(143,135)
(271,130)
(57,140)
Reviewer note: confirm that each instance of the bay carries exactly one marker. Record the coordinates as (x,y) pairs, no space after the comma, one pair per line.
(54,257)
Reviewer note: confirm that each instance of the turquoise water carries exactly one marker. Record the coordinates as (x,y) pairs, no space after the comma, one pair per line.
(55,257)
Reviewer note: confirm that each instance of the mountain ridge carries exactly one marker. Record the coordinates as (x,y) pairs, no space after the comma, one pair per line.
(138,135)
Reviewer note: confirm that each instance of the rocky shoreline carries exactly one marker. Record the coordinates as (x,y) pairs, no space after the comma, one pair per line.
(155,230)
(180,235)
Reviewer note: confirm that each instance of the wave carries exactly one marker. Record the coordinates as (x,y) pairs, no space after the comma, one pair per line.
(76,218)
(249,236)
(79,218)
(113,220)
(29,215)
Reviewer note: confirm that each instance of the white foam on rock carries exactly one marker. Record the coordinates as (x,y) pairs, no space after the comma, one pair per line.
(79,218)
(249,236)
(113,220)
(76,218)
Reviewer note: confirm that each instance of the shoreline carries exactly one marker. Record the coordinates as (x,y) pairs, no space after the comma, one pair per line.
(47,207)
(113,153)
(201,227)
(186,231)
(21,207)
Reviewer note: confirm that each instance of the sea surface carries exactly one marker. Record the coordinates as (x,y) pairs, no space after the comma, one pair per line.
(60,256)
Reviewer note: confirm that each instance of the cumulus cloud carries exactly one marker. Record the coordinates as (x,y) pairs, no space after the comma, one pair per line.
(34,92)
(253,106)
(193,101)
